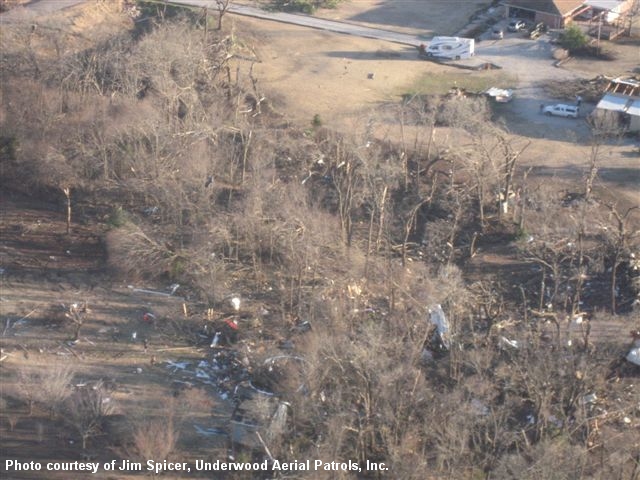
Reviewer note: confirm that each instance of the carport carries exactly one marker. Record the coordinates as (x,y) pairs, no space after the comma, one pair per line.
(553,13)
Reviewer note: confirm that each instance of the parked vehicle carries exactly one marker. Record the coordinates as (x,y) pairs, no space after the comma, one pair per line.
(537,30)
(516,25)
(562,110)
(453,48)
(497,33)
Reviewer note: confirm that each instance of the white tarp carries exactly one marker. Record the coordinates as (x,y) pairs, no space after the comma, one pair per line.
(438,318)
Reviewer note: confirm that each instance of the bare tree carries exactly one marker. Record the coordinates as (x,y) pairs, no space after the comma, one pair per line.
(87,408)
(222,6)
(155,438)
(49,386)
(77,314)
(618,240)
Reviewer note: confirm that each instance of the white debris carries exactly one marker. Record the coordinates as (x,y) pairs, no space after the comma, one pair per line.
(634,355)
(215,340)
(500,95)
(556,421)
(177,365)
(235,302)
(262,392)
(134,335)
(208,432)
(589,399)
(426,356)
(438,318)
(479,407)
(504,341)
(149,292)
(272,360)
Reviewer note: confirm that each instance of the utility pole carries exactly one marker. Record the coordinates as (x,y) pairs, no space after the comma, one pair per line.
(599,31)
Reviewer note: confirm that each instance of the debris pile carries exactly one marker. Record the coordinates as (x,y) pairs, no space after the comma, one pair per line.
(222,371)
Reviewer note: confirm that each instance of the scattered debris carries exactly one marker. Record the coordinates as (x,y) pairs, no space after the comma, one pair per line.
(222,371)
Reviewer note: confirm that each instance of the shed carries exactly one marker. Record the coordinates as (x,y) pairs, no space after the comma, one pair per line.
(620,111)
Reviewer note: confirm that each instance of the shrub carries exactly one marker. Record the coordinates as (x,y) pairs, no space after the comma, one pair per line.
(304,6)
(573,39)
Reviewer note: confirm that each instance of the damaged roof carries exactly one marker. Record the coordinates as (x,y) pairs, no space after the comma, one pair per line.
(620,103)
(554,7)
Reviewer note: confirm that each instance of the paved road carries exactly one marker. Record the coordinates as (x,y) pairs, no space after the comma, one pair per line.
(311,22)
(37,7)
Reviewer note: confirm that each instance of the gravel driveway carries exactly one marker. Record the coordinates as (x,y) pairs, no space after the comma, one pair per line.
(532,63)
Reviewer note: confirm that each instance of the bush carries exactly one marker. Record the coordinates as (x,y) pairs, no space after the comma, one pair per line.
(304,6)
(573,39)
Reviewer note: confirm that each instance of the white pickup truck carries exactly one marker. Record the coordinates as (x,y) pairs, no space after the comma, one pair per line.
(562,110)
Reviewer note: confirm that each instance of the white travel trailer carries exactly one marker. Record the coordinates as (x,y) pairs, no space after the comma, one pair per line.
(453,48)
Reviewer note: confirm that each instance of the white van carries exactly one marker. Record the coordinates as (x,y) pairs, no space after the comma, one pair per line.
(453,48)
